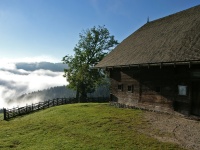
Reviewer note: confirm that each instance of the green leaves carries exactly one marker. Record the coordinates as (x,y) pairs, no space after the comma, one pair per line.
(93,45)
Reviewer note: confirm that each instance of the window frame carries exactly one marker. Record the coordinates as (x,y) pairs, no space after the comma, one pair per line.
(182,90)
(131,88)
(120,87)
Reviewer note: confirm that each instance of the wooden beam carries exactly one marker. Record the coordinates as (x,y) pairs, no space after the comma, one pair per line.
(189,64)
(174,65)
(161,65)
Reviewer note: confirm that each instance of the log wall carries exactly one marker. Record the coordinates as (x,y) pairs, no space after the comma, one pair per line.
(155,88)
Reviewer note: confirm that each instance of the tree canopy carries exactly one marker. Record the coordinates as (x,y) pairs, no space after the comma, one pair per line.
(92,46)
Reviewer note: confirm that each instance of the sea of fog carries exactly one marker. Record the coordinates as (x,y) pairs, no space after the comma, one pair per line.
(15,81)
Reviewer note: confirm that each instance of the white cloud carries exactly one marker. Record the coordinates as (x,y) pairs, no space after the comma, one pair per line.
(15,82)
(7,65)
(42,79)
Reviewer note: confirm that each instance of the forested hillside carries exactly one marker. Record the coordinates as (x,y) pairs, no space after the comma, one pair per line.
(60,92)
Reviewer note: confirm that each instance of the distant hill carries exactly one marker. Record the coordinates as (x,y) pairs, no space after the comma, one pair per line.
(51,93)
(61,92)
(57,67)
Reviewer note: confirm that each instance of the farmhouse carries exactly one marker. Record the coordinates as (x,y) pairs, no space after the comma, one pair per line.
(158,66)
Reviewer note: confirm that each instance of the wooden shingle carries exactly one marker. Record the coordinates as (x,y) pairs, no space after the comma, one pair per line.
(174,38)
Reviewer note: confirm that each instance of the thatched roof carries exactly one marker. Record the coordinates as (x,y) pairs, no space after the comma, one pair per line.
(175,38)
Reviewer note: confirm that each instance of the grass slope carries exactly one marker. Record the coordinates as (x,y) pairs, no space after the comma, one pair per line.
(79,126)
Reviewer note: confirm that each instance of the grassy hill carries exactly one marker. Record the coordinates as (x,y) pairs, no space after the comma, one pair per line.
(79,126)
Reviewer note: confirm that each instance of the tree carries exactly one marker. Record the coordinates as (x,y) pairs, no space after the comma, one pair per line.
(93,45)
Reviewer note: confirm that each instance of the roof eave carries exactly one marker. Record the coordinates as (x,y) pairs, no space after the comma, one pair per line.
(152,64)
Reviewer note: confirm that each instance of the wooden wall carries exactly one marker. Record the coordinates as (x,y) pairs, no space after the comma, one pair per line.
(125,78)
(154,88)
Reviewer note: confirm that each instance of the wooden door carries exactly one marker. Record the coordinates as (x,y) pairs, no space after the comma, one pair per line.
(195,98)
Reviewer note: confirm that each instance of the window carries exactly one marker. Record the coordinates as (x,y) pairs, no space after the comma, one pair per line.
(130,88)
(120,87)
(182,90)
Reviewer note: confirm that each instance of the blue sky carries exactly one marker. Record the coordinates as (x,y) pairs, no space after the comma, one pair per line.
(49,29)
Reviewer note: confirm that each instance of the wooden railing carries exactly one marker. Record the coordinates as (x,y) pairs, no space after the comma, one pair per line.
(18,111)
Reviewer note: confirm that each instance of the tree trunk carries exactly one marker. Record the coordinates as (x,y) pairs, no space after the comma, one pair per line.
(83,96)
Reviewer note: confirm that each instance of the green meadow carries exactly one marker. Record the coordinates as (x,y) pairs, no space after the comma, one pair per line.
(87,126)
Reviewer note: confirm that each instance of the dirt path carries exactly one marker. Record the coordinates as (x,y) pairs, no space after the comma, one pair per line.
(173,128)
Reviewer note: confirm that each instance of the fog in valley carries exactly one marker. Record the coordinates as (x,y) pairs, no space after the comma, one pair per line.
(17,79)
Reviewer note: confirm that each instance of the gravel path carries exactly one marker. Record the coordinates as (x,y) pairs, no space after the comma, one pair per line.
(174,128)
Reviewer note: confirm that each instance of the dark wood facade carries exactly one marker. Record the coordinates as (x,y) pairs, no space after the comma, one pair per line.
(160,88)
(157,67)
